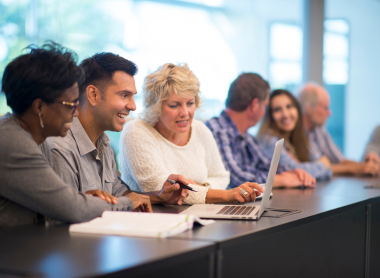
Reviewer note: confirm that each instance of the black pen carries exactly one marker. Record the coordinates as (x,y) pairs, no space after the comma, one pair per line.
(181,185)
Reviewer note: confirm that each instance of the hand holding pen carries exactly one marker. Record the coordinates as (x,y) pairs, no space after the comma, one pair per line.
(181,185)
(171,192)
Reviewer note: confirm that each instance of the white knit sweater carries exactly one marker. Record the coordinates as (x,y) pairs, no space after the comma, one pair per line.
(147,159)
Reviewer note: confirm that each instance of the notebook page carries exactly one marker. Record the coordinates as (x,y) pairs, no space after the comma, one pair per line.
(138,224)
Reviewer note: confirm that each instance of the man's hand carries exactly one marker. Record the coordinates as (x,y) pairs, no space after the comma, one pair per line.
(140,202)
(372,157)
(368,168)
(103,195)
(171,194)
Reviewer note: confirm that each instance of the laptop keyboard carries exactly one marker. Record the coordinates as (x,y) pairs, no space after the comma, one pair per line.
(236,210)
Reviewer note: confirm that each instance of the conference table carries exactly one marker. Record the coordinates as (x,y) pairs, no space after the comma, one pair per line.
(336,234)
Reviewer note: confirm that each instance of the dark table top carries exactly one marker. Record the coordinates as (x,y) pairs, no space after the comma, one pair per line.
(37,251)
(53,251)
(328,198)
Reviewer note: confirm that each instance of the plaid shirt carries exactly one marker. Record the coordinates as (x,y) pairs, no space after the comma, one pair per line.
(242,154)
(321,144)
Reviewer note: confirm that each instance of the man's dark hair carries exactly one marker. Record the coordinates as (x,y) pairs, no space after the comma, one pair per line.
(42,73)
(100,68)
(244,89)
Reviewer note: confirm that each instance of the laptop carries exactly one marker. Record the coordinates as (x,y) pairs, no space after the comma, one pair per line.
(241,212)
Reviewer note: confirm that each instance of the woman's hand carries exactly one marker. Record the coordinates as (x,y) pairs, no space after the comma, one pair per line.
(172,194)
(325,160)
(305,177)
(235,195)
(103,195)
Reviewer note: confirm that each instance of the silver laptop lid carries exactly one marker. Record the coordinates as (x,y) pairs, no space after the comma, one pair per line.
(271,175)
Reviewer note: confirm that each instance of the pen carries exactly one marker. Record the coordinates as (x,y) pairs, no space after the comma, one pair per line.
(181,185)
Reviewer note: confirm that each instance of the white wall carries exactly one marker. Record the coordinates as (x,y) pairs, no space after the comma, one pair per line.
(251,20)
(363,89)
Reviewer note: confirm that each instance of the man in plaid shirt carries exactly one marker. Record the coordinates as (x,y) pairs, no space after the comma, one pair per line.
(241,153)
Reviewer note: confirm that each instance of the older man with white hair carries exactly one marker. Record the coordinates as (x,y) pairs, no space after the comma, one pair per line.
(315,101)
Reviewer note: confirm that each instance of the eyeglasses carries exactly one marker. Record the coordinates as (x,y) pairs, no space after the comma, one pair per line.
(73,105)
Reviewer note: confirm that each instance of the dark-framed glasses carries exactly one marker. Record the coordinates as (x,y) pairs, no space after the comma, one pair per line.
(73,105)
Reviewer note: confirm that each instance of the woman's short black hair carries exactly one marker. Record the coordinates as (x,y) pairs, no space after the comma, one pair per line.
(42,73)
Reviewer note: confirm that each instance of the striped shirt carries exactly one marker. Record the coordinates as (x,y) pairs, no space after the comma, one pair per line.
(314,167)
(321,144)
(242,154)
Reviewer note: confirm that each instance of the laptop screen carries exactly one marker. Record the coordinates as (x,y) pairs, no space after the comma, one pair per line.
(271,175)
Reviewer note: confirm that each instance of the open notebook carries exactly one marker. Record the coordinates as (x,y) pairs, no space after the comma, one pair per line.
(138,224)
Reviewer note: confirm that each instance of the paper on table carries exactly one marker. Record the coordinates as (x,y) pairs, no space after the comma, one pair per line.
(139,224)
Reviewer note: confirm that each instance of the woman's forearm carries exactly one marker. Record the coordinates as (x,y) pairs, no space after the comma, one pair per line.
(216,196)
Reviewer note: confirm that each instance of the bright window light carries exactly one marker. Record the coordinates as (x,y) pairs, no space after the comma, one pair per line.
(285,67)
(337,26)
(211,3)
(335,45)
(285,73)
(335,72)
(336,52)
(286,42)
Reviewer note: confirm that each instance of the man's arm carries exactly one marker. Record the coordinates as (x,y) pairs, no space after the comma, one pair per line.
(239,173)
(372,149)
(335,155)
(348,167)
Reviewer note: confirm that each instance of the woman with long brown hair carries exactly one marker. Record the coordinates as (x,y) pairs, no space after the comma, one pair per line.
(283,119)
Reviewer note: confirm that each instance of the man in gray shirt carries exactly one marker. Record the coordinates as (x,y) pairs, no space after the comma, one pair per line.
(315,103)
(84,158)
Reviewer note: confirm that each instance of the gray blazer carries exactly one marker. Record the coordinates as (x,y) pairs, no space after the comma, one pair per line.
(30,189)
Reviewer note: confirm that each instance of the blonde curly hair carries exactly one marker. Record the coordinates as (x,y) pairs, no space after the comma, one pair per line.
(159,85)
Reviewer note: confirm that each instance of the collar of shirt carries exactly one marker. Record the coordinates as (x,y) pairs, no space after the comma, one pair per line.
(84,142)
(231,128)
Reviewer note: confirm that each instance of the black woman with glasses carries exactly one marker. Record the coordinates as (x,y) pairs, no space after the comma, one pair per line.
(41,87)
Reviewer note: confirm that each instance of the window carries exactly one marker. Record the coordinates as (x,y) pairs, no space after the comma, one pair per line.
(335,74)
(285,62)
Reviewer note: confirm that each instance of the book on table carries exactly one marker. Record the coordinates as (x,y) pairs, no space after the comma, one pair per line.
(124,223)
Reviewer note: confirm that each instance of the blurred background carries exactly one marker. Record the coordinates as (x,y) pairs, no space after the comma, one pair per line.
(220,39)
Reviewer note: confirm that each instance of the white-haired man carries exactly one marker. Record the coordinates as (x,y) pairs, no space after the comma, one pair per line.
(315,103)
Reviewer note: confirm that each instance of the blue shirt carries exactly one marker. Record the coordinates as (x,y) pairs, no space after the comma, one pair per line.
(315,168)
(242,154)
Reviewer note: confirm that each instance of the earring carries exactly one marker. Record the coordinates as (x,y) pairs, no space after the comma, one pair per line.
(41,122)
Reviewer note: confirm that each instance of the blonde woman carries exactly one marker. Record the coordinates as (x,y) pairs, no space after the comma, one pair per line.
(166,139)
